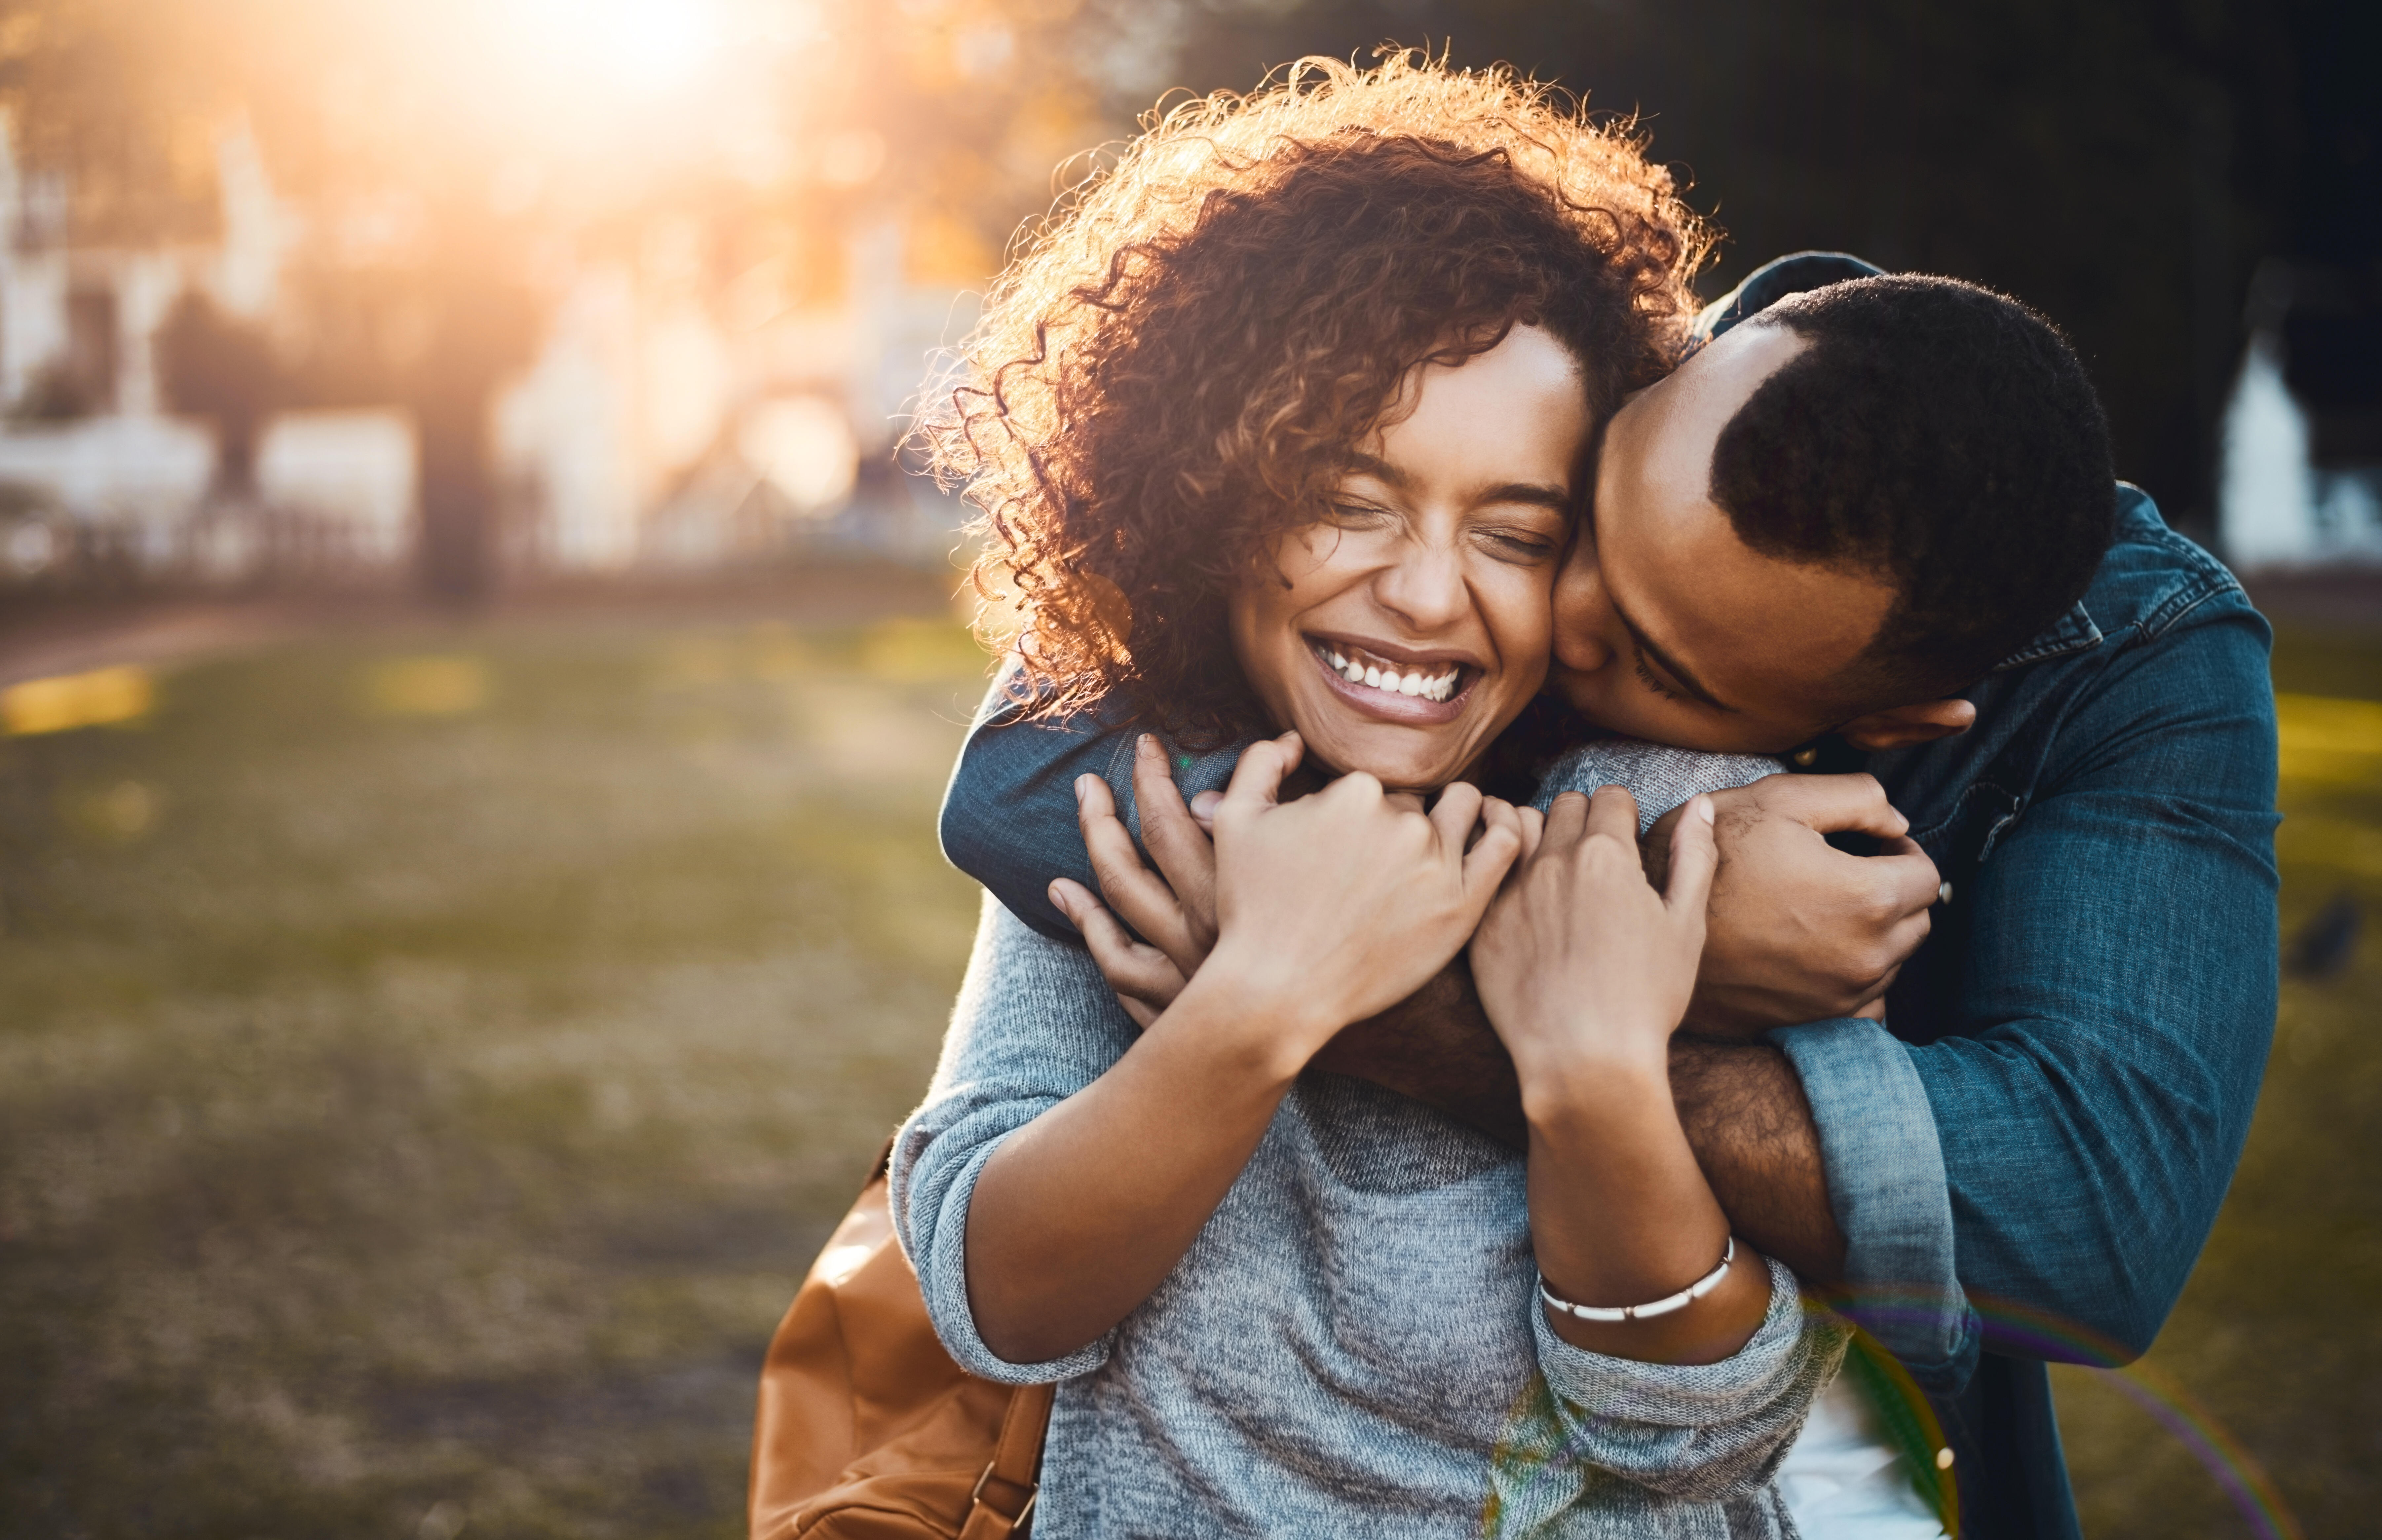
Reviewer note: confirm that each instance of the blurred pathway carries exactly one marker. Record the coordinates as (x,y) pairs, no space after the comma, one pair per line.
(73,641)
(46,639)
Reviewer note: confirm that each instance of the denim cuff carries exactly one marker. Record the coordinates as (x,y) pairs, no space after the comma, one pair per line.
(1887,1190)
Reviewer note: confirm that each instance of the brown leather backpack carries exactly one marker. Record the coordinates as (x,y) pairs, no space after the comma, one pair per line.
(866,1430)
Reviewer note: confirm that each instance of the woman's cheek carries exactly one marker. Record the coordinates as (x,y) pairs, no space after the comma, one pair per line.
(1305,554)
(1521,623)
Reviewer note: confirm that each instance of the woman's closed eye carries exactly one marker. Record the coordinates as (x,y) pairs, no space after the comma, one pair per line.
(1520,543)
(1524,547)
(1349,515)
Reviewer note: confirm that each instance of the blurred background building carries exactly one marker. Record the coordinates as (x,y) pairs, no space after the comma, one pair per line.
(2302,447)
(310,292)
(330,294)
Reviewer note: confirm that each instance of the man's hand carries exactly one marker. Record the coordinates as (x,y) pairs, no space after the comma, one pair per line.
(1436,1047)
(1797,930)
(1174,905)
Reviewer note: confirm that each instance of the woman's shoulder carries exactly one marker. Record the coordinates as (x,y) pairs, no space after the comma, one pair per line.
(1659,776)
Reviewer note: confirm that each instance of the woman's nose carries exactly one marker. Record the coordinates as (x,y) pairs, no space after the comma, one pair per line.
(1426,588)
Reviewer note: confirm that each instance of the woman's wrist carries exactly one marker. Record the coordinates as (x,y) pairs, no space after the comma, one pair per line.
(1244,1005)
(1569,1084)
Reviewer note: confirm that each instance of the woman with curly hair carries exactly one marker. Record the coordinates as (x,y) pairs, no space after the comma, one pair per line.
(1279,432)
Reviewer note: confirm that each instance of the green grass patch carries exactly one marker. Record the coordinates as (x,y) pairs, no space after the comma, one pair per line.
(429,1066)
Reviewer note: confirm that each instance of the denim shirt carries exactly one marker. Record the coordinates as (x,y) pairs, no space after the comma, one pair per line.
(2026,1158)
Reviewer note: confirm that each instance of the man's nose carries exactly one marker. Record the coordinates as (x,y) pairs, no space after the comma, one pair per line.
(1583,617)
(1426,588)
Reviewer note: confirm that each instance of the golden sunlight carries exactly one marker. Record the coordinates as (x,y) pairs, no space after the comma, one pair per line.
(635,45)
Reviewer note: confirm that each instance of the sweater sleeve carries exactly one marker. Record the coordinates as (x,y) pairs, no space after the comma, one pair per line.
(1035,1023)
(1706,1432)
(1658,776)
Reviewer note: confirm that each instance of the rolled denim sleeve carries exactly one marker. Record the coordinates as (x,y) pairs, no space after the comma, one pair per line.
(2112,1014)
(1886,1188)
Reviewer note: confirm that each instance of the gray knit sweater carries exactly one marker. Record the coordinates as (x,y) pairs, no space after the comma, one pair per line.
(1353,1344)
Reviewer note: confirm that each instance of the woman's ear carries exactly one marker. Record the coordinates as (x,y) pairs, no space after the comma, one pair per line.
(1903,725)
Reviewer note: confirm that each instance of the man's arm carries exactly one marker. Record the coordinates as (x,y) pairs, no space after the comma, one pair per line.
(1008,818)
(1752,1132)
(2109,986)
(1844,920)
(1742,1104)
(2038,1171)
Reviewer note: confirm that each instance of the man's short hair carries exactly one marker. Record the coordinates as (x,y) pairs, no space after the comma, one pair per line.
(1944,438)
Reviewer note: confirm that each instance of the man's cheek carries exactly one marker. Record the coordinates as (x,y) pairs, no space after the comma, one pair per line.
(1616,711)
(1568,684)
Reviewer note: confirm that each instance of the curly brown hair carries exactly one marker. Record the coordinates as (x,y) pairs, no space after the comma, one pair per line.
(1172,372)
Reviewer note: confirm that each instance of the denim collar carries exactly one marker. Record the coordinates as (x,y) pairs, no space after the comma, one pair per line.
(2072,632)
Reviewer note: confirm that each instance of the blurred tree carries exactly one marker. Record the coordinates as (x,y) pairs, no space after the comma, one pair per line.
(2121,165)
(480,328)
(215,366)
(125,99)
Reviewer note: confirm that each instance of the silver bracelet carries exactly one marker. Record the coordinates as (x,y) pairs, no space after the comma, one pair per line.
(1662,1306)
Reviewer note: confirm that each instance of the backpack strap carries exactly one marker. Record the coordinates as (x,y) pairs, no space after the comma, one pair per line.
(1005,1493)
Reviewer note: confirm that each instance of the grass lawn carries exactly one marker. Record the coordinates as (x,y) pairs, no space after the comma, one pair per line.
(428,1064)
(428,1060)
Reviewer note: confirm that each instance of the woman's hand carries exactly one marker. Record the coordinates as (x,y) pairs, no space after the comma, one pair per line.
(1585,971)
(1580,963)
(1340,904)
(1329,907)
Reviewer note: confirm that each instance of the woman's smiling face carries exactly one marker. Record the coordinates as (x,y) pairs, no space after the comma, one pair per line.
(1412,624)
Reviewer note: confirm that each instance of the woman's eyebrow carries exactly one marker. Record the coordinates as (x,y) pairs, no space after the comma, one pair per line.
(1379,469)
(1536,494)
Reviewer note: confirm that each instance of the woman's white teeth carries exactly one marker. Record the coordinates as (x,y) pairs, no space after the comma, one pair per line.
(1391,682)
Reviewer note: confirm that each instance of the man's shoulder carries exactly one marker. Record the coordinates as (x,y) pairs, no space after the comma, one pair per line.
(1013,745)
(2164,630)
(2154,580)
(2152,584)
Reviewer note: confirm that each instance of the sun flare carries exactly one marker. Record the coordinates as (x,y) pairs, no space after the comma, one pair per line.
(634,45)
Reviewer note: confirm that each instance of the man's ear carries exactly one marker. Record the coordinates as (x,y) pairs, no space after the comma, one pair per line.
(1901,727)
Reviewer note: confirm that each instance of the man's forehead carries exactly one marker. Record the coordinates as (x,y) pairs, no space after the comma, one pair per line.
(1689,408)
(1750,625)
(1746,624)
